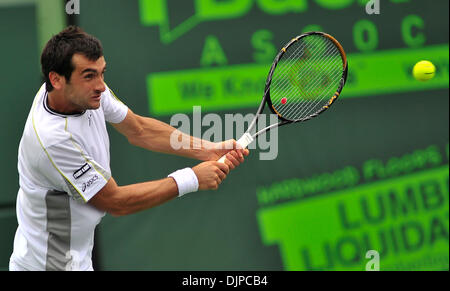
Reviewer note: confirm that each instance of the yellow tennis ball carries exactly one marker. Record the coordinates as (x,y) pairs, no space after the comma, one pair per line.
(424,71)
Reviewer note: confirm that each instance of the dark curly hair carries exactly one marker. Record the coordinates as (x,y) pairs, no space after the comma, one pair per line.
(58,52)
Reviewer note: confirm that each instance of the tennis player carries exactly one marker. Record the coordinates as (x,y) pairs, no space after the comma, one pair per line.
(65,178)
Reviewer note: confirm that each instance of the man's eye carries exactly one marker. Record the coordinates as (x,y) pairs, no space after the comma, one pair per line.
(89,76)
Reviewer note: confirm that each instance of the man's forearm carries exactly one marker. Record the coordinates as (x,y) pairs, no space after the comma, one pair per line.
(124,200)
(161,137)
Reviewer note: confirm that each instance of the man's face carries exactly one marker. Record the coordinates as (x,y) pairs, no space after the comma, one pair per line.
(86,83)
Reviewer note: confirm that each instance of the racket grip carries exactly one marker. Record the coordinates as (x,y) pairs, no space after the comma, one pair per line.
(244,141)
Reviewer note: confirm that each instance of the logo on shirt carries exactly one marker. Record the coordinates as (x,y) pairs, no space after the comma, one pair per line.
(81,171)
(89,183)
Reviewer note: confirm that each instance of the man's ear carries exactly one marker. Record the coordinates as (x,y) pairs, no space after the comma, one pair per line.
(57,80)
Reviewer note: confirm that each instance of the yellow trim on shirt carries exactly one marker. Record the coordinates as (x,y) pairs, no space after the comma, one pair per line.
(48,155)
(113,94)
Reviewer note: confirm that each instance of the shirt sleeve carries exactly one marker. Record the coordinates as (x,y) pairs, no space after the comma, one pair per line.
(71,169)
(115,111)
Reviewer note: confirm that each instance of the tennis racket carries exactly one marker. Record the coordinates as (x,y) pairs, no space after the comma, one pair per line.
(306,78)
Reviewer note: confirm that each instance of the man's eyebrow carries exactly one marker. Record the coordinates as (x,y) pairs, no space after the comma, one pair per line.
(91,70)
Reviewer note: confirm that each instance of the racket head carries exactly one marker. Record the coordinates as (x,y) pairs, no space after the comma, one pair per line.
(306,77)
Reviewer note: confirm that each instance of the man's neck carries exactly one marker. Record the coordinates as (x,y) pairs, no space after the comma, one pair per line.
(57,102)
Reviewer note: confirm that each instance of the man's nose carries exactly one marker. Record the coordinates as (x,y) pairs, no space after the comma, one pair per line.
(101,87)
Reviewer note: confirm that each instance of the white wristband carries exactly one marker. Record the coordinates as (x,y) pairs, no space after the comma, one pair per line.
(186,180)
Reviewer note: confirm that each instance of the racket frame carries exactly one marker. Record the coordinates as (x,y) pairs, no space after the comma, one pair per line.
(247,138)
(266,97)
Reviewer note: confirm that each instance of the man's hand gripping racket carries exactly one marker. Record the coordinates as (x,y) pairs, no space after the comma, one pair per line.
(305,79)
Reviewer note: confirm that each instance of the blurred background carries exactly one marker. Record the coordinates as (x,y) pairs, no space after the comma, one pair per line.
(372,173)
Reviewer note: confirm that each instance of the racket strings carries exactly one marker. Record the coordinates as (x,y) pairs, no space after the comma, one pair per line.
(291,61)
(307,78)
(310,101)
(278,95)
(315,105)
(310,104)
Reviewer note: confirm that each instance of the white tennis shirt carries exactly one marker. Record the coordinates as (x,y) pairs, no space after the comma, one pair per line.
(63,162)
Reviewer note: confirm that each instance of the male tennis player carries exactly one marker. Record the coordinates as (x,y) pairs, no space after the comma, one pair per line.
(64,165)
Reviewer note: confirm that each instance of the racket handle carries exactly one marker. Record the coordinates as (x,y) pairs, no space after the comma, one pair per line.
(244,141)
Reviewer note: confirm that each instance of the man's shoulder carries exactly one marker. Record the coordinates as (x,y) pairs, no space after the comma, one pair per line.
(46,131)
(47,128)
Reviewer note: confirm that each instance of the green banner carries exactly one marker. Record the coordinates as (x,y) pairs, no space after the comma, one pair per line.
(242,86)
(404,219)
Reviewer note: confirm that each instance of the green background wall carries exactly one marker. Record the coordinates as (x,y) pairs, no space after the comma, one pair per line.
(371,173)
